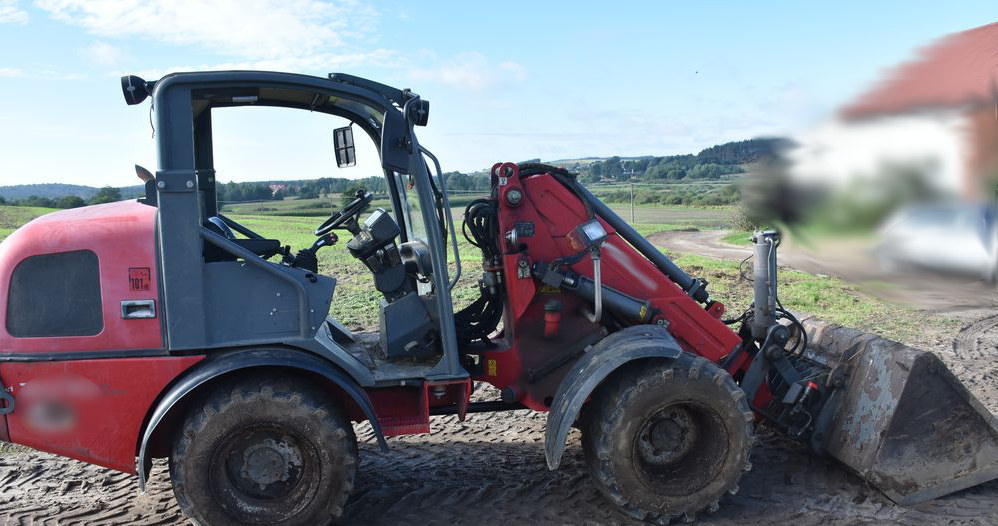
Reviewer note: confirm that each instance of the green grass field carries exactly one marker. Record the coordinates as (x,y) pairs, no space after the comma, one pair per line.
(355,301)
(738,237)
(702,218)
(12,217)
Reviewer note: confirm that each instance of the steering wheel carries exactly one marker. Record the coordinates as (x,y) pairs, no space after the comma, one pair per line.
(347,215)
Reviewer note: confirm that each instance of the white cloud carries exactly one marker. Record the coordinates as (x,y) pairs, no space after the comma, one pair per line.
(105,54)
(326,62)
(11,14)
(254,32)
(473,72)
(36,73)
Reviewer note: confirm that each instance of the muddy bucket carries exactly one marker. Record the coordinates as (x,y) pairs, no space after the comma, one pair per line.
(899,418)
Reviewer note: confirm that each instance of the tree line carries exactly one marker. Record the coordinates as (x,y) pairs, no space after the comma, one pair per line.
(107,194)
(711,163)
(232,192)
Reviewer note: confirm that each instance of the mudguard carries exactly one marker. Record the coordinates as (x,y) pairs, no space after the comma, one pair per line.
(218,365)
(633,343)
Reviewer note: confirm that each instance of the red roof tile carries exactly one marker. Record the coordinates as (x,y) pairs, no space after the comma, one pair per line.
(958,70)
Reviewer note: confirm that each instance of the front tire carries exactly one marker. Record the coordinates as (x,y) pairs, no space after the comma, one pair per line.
(667,438)
(264,450)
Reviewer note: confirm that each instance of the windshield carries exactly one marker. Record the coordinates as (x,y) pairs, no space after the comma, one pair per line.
(411,210)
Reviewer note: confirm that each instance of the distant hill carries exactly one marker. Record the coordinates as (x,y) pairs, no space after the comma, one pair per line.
(716,162)
(49,190)
(583,161)
(57,190)
(720,162)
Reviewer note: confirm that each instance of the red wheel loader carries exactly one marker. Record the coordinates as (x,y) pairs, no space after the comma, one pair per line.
(160,328)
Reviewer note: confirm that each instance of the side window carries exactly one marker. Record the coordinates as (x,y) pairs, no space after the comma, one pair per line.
(55,295)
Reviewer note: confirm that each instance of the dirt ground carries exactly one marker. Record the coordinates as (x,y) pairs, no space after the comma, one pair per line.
(490,469)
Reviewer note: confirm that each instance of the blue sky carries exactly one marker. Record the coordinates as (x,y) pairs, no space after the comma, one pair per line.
(507,80)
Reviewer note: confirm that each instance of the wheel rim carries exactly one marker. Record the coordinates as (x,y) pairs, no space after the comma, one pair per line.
(264,473)
(680,448)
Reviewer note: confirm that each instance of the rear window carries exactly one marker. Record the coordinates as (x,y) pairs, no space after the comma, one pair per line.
(55,295)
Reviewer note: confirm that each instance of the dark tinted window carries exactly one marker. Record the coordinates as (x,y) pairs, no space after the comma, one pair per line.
(55,295)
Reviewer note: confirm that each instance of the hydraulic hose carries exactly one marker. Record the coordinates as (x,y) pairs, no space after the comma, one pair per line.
(694,287)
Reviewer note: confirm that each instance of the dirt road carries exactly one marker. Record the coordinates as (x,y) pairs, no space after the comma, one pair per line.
(490,469)
(949,295)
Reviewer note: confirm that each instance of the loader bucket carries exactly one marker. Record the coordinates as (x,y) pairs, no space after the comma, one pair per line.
(899,418)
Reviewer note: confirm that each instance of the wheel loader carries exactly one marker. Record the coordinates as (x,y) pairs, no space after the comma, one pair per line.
(160,328)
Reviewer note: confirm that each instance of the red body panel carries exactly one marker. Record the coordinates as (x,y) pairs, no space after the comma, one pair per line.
(90,410)
(123,236)
(406,410)
(554,212)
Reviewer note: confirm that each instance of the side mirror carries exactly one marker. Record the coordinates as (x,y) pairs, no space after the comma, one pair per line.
(346,155)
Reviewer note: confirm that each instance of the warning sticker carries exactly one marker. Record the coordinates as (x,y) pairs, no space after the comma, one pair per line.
(491,368)
(139,278)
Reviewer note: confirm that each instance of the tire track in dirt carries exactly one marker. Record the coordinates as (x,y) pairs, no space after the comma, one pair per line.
(488,470)
(973,339)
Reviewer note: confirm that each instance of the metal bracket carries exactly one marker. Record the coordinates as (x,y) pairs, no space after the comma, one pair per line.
(176,181)
(8,408)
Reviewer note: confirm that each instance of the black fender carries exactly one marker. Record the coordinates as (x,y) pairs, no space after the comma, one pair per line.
(220,364)
(626,345)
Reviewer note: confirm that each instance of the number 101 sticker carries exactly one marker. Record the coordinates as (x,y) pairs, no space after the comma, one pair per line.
(139,278)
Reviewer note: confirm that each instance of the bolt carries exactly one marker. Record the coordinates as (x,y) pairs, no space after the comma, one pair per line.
(161,184)
(514,196)
(190,184)
(278,294)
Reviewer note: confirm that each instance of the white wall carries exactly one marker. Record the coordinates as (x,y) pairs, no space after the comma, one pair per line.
(837,152)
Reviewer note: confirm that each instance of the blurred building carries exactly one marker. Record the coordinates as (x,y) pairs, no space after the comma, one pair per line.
(937,114)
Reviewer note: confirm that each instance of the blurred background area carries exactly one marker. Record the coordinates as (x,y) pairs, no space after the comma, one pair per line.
(899,184)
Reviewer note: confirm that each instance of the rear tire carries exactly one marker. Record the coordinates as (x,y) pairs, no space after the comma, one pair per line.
(264,450)
(667,438)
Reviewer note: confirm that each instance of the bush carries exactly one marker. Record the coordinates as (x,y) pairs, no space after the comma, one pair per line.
(70,201)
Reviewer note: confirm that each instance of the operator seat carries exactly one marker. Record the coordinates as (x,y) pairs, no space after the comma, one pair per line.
(265,248)
(217,225)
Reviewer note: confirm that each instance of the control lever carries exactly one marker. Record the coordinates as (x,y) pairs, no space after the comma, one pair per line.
(306,258)
(324,241)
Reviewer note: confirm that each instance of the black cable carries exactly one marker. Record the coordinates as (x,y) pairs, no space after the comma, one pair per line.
(801,342)
(741,270)
(481,228)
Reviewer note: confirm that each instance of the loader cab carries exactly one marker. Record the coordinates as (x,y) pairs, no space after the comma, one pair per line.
(225,285)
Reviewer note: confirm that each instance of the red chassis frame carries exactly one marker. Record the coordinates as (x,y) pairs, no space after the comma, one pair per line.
(553,211)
